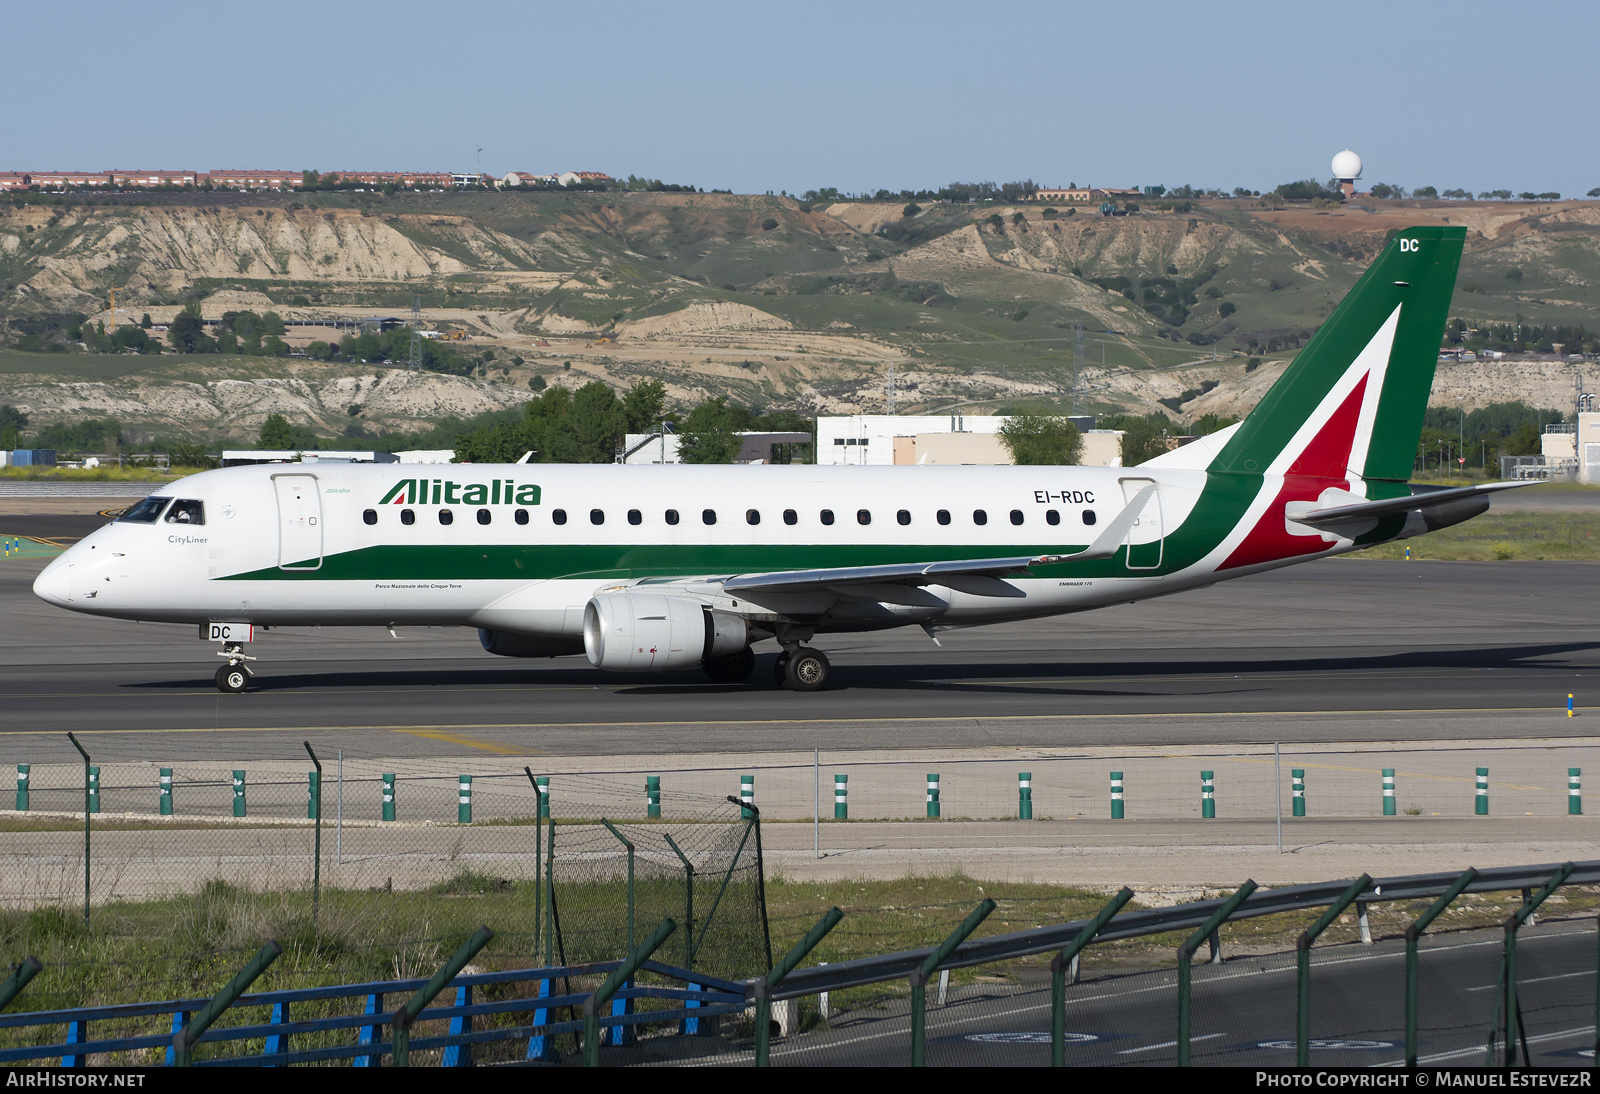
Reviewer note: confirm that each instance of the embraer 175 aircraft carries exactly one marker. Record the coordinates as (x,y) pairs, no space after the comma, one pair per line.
(649,568)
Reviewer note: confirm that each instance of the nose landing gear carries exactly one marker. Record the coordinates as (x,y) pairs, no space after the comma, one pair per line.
(235,676)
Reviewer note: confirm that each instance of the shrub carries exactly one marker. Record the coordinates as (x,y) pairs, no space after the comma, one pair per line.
(769,224)
(911,210)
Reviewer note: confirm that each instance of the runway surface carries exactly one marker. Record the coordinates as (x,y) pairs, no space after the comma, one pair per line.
(1336,650)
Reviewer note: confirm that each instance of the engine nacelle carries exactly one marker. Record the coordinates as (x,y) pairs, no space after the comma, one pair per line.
(650,632)
(511,644)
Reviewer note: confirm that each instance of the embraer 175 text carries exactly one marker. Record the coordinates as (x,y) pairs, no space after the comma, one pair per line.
(648,568)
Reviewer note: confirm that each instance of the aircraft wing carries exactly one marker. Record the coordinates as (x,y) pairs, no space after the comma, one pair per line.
(980,576)
(1368,510)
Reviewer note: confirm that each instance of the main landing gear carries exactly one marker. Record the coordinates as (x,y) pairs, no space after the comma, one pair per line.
(235,676)
(803,669)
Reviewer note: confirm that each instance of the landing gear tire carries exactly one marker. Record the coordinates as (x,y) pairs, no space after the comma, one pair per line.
(735,668)
(233,678)
(780,670)
(807,670)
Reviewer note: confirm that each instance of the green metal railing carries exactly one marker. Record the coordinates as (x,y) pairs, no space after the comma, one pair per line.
(1186,954)
(613,983)
(1058,974)
(763,988)
(919,978)
(185,1039)
(1413,933)
(1302,947)
(20,975)
(406,1015)
(1508,972)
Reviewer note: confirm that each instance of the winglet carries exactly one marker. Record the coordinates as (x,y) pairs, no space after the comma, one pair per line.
(1107,542)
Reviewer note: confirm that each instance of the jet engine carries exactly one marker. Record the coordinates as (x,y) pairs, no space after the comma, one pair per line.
(511,644)
(649,632)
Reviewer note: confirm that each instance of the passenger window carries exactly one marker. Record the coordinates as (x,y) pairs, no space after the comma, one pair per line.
(1016,516)
(446,517)
(407,516)
(980,517)
(521,516)
(942,516)
(635,517)
(597,516)
(752,516)
(484,516)
(708,516)
(672,516)
(1052,517)
(145,512)
(903,516)
(827,516)
(369,516)
(863,516)
(558,516)
(187,512)
(791,517)
(1088,516)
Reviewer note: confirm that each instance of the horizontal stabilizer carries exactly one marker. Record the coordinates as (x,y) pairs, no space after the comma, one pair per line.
(1370,510)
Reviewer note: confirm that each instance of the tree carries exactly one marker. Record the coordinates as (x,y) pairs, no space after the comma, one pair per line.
(1142,438)
(769,224)
(1595,193)
(1425,193)
(911,210)
(186,334)
(275,432)
(1037,439)
(711,432)
(597,423)
(145,322)
(1226,308)
(643,404)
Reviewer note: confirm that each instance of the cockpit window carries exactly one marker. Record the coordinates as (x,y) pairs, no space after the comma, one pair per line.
(145,512)
(185,511)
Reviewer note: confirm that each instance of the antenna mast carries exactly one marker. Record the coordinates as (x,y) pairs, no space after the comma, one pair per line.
(416,333)
(1077,367)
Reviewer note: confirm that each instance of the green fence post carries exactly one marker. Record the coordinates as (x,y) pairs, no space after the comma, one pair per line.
(688,902)
(315,807)
(166,791)
(91,791)
(1413,933)
(1574,792)
(1388,792)
(1116,795)
(1480,804)
(400,1024)
(933,795)
(1299,791)
(238,792)
(22,786)
(388,796)
(652,796)
(464,799)
(1512,924)
(1302,947)
(1186,954)
(1024,795)
(619,976)
(185,1039)
(919,978)
(841,797)
(1208,795)
(762,989)
(19,979)
(747,795)
(1058,974)
(313,792)
(543,784)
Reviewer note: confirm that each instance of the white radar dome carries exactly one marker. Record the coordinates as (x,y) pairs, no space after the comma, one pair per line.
(1347,165)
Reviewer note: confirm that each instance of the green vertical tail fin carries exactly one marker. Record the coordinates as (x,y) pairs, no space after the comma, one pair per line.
(1351,404)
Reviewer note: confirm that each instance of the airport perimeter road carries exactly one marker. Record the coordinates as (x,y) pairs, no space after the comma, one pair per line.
(1244,1011)
(1348,650)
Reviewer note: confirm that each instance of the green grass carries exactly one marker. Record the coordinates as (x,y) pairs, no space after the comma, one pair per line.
(1504,537)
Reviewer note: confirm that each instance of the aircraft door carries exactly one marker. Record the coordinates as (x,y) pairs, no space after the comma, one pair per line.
(1145,537)
(299,522)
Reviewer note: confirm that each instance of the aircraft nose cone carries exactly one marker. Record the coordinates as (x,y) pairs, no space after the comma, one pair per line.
(54,583)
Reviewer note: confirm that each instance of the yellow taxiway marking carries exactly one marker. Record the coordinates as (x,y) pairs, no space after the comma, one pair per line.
(470,742)
(918,720)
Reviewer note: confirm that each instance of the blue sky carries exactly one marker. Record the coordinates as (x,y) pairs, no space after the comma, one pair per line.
(759,97)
